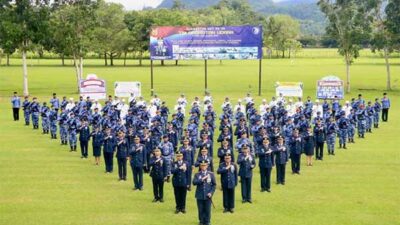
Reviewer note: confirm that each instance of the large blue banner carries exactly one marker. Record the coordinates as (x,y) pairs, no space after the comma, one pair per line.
(221,42)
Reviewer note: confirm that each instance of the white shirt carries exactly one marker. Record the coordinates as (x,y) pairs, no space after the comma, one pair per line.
(155,101)
(317,108)
(96,105)
(115,102)
(182,108)
(141,103)
(291,109)
(263,108)
(182,101)
(69,106)
(299,104)
(347,109)
(241,106)
(208,98)
(152,110)
(248,99)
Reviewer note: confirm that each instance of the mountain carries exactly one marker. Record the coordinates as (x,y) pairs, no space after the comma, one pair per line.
(312,20)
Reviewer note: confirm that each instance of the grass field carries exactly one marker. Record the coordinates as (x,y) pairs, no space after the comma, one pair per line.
(42,183)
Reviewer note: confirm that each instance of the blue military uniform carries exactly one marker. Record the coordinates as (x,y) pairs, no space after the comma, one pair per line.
(167,151)
(84,137)
(44,113)
(206,184)
(137,155)
(53,123)
(108,151)
(97,142)
(296,148)
(361,116)
(331,131)
(320,137)
(246,166)
(122,155)
(72,129)
(266,162)
(62,123)
(180,182)
(281,158)
(229,180)
(27,113)
(343,125)
(158,174)
(377,111)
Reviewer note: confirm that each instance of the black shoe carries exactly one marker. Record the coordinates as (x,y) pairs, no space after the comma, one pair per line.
(177,211)
(263,190)
(155,200)
(231,210)
(268,190)
(226,210)
(249,201)
(283,183)
(340,145)
(183,211)
(161,200)
(344,147)
(244,201)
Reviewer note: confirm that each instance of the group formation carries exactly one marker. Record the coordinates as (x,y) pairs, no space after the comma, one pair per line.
(170,148)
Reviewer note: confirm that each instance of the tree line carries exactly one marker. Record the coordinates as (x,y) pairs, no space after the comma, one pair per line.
(74,28)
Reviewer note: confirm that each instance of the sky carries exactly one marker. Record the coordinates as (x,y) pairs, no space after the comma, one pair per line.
(139,4)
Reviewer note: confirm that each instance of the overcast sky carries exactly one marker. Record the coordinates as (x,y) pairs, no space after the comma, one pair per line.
(137,4)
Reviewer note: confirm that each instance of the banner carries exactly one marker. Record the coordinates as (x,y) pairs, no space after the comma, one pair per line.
(221,42)
(93,87)
(330,87)
(125,89)
(289,89)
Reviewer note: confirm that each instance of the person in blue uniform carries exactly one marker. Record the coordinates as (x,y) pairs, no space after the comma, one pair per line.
(109,144)
(167,151)
(296,148)
(97,141)
(370,116)
(180,180)
(352,126)
(225,149)
(343,125)
(34,109)
(53,123)
(385,107)
(72,129)
(62,123)
(320,137)
(158,174)
(246,164)
(281,158)
(361,115)
(44,113)
(205,184)
(84,137)
(55,102)
(377,110)
(137,158)
(265,154)
(229,180)
(188,156)
(204,157)
(25,108)
(122,155)
(308,145)
(331,132)
(16,105)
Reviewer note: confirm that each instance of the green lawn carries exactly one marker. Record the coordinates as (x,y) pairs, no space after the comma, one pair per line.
(42,183)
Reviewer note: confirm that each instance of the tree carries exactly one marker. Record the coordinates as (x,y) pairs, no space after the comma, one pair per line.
(28,22)
(282,28)
(107,33)
(348,24)
(72,27)
(139,26)
(8,33)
